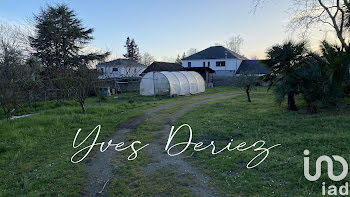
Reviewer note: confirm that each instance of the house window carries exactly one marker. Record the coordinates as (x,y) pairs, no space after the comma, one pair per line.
(115,69)
(208,64)
(220,63)
(189,65)
(101,70)
(203,64)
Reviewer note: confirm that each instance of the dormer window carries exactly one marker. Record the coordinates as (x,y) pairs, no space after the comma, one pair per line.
(115,69)
(189,65)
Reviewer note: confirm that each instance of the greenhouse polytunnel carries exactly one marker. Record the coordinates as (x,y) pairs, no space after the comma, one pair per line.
(171,83)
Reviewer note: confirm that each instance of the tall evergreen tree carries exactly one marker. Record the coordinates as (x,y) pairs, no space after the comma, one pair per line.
(58,43)
(183,56)
(178,60)
(59,38)
(132,50)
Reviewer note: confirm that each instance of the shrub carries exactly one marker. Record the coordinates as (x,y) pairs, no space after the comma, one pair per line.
(315,87)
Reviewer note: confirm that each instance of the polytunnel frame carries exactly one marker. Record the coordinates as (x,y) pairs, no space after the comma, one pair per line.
(200,81)
(174,83)
(184,83)
(147,79)
(192,82)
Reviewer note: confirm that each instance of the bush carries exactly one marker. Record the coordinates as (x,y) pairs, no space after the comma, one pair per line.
(346,87)
(321,80)
(315,87)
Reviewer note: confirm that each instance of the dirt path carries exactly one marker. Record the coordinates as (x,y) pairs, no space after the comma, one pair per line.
(101,166)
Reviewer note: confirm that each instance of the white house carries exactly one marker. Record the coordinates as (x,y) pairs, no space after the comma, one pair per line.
(223,61)
(120,68)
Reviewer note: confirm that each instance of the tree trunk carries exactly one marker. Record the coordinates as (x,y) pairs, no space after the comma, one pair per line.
(30,103)
(311,108)
(247,91)
(82,104)
(291,102)
(8,114)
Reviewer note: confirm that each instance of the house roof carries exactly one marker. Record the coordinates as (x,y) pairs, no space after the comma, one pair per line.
(163,66)
(252,67)
(215,52)
(201,69)
(120,62)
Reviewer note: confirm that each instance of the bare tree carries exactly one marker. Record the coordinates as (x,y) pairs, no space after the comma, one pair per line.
(83,83)
(254,57)
(167,59)
(147,59)
(247,81)
(191,51)
(328,12)
(17,35)
(313,13)
(18,69)
(132,69)
(235,43)
(14,75)
(257,4)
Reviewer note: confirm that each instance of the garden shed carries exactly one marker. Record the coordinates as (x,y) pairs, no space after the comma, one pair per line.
(171,83)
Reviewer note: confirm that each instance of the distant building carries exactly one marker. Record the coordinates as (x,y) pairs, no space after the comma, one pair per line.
(163,66)
(120,68)
(223,61)
(252,67)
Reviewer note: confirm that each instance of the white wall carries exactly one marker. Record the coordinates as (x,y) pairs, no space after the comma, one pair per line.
(231,64)
(123,71)
(230,68)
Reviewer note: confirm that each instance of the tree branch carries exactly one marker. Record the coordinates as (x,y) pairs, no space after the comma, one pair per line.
(339,31)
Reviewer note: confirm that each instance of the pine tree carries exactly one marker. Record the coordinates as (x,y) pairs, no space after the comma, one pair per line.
(60,37)
(178,60)
(132,50)
(183,56)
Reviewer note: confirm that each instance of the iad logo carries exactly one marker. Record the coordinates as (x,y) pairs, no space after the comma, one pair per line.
(332,189)
(329,164)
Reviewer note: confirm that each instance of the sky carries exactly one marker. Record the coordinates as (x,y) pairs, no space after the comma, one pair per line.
(165,28)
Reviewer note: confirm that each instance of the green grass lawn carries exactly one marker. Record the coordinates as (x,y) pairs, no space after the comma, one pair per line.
(132,181)
(281,174)
(35,151)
